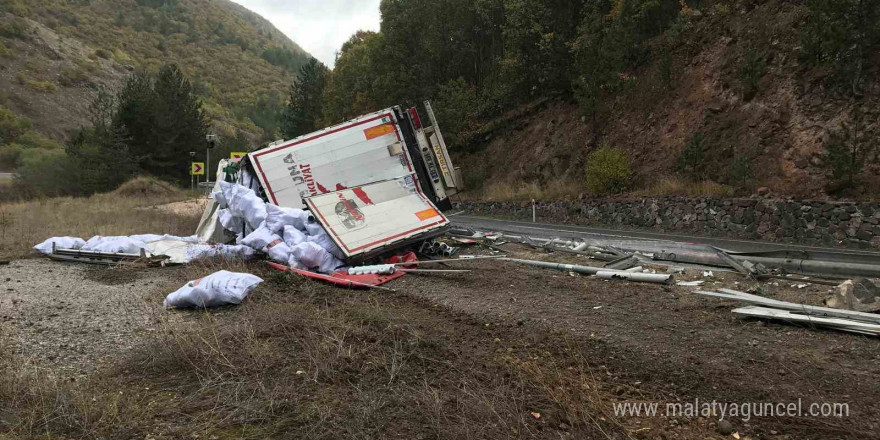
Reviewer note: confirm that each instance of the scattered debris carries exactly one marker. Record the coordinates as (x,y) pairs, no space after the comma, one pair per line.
(860,322)
(590,270)
(690,283)
(860,295)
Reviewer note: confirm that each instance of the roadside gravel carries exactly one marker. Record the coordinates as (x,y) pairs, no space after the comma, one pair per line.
(77,318)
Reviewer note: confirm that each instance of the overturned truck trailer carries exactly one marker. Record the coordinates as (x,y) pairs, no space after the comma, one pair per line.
(376,183)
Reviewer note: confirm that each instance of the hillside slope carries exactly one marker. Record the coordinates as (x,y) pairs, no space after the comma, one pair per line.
(780,134)
(57,53)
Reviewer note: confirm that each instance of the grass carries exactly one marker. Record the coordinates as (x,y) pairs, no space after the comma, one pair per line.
(304,360)
(25,224)
(671,186)
(41,86)
(511,192)
(566,190)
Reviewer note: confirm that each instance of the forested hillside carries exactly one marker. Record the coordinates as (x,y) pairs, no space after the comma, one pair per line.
(57,53)
(699,96)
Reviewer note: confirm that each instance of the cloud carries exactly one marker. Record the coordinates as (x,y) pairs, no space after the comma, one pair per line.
(319,27)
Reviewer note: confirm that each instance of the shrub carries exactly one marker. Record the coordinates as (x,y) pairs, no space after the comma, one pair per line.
(44,173)
(12,126)
(690,160)
(72,75)
(752,68)
(4,51)
(9,156)
(144,186)
(842,35)
(41,86)
(847,149)
(33,139)
(14,28)
(103,53)
(608,171)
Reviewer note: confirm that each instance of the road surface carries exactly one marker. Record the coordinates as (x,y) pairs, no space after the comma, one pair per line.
(547,230)
(6,176)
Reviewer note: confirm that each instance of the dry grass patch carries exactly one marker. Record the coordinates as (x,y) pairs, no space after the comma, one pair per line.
(303,360)
(671,186)
(24,224)
(513,192)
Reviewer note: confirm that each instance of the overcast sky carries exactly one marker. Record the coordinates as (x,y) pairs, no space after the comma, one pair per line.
(318,26)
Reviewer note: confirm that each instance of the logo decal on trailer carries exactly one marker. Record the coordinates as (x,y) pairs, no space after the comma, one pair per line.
(349,213)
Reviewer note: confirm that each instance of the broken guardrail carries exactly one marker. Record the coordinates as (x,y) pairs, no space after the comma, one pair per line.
(761,307)
(600,272)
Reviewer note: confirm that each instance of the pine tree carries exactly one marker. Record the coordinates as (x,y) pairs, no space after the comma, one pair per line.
(306,101)
(162,121)
(180,124)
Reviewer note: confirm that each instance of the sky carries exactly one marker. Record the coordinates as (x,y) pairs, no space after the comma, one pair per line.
(318,26)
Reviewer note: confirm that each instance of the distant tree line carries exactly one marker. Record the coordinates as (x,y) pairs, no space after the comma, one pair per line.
(149,127)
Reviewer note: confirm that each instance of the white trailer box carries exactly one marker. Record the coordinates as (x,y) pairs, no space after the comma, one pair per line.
(385,145)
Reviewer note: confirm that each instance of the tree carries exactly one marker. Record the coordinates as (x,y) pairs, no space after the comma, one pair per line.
(306,101)
(848,148)
(161,119)
(842,35)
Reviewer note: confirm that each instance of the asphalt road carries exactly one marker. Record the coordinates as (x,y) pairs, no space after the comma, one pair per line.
(6,176)
(547,230)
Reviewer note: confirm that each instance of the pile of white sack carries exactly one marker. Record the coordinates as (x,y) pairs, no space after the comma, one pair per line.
(287,235)
(112,245)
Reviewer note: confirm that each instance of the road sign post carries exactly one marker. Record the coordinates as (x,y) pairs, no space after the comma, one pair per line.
(210,140)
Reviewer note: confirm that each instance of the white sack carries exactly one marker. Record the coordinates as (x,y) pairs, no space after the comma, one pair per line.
(217,289)
(229,221)
(260,238)
(323,239)
(277,218)
(314,228)
(60,243)
(243,202)
(147,238)
(312,256)
(278,251)
(114,245)
(293,236)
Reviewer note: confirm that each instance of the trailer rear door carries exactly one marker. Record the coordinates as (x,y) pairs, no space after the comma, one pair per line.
(366,219)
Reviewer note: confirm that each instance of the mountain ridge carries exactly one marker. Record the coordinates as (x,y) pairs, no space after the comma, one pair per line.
(57,54)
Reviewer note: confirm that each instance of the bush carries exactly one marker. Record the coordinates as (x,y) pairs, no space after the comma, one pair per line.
(9,156)
(4,51)
(608,171)
(752,68)
(14,28)
(41,86)
(33,139)
(12,126)
(690,160)
(144,186)
(44,173)
(842,35)
(847,150)
(72,75)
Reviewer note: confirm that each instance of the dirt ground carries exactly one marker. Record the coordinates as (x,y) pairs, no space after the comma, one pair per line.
(557,351)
